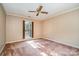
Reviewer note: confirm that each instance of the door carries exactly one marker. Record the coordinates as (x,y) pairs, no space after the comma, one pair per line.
(27,29)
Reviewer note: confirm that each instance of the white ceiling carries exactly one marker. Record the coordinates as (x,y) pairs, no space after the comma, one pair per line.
(21,9)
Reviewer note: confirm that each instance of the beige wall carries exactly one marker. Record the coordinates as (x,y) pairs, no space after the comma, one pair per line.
(2,27)
(14,29)
(63,28)
(37,29)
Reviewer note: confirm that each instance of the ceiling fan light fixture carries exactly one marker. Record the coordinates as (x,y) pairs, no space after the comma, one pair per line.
(39,10)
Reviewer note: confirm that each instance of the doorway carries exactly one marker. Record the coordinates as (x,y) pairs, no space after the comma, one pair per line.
(27,29)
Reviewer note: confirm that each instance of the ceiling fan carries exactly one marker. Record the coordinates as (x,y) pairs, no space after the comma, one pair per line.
(39,10)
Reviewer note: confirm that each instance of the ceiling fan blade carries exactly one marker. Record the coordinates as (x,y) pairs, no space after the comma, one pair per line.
(31,11)
(44,12)
(37,14)
(39,8)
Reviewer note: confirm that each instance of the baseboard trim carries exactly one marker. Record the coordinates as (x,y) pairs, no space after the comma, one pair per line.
(22,40)
(63,43)
(16,41)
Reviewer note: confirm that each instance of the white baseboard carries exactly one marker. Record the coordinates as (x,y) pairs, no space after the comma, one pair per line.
(63,43)
(20,40)
(16,41)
